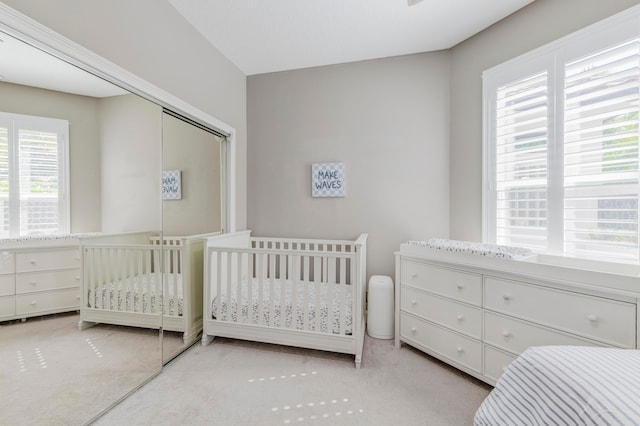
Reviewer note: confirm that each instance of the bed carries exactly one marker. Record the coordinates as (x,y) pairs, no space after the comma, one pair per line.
(566,385)
(143,280)
(296,292)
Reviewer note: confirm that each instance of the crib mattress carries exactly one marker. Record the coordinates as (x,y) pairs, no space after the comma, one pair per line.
(239,307)
(138,294)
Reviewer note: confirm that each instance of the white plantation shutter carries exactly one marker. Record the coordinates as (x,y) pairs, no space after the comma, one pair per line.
(601,153)
(521,162)
(4,178)
(39,170)
(561,155)
(33,176)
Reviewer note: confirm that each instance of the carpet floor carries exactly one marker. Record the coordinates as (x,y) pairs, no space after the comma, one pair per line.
(51,373)
(233,382)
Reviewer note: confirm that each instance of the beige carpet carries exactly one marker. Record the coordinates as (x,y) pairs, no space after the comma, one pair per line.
(51,373)
(234,382)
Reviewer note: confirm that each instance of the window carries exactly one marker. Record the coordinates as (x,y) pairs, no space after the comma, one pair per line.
(33,176)
(561,145)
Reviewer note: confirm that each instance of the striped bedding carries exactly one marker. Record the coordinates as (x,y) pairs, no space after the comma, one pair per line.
(566,385)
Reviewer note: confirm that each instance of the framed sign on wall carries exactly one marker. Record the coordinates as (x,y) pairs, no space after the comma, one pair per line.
(171,185)
(327,180)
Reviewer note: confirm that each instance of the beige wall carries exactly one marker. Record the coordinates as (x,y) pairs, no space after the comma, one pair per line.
(152,40)
(196,154)
(84,144)
(130,137)
(537,24)
(387,120)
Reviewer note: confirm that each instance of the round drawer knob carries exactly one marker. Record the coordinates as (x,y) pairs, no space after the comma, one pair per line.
(77,278)
(460,317)
(414,275)
(506,333)
(460,349)
(33,282)
(592,318)
(77,297)
(506,297)
(459,286)
(413,329)
(33,302)
(414,302)
(33,262)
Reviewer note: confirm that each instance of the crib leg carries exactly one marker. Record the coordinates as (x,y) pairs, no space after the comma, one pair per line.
(206,339)
(83,325)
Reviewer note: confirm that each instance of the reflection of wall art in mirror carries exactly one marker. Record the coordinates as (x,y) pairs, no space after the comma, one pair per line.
(327,180)
(171,185)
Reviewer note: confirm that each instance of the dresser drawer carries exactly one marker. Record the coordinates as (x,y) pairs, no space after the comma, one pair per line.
(59,301)
(455,347)
(7,285)
(47,260)
(602,319)
(495,362)
(463,318)
(7,306)
(7,262)
(51,280)
(445,282)
(516,336)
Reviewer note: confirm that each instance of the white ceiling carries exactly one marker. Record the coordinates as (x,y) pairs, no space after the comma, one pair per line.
(23,64)
(261,36)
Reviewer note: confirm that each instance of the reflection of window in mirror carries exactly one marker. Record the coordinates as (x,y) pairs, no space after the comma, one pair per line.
(33,175)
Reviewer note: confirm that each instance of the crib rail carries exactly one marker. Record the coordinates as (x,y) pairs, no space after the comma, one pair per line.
(319,284)
(302,245)
(130,277)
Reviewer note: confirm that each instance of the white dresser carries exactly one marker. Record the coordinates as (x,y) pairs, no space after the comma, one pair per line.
(478,313)
(39,277)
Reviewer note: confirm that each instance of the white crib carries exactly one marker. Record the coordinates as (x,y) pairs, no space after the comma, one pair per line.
(296,292)
(132,279)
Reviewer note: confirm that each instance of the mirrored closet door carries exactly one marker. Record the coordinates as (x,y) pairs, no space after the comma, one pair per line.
(191,211)
(81,225)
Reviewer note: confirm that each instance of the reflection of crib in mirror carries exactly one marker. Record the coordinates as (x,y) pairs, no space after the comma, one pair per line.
(296,292)
(131,279)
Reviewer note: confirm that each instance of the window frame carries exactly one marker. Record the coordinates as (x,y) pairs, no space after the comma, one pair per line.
(61,128)
(552,58)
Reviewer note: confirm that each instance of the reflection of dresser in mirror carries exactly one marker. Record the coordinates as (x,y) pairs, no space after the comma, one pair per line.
(39,281)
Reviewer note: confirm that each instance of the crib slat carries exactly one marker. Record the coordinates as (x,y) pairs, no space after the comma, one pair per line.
(259,265)
(137,286)
(118,273)
(293,278)
(330,289)
(283,288)
(341,298)
(174,276)
(317,284)
(272,312)
(148,292)
(239,275)
(90,279)
(228,271)
(218,286)
(305,279)
(250,276)
(256,302)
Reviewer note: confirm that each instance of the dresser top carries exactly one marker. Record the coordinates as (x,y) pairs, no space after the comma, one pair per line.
(621,278)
